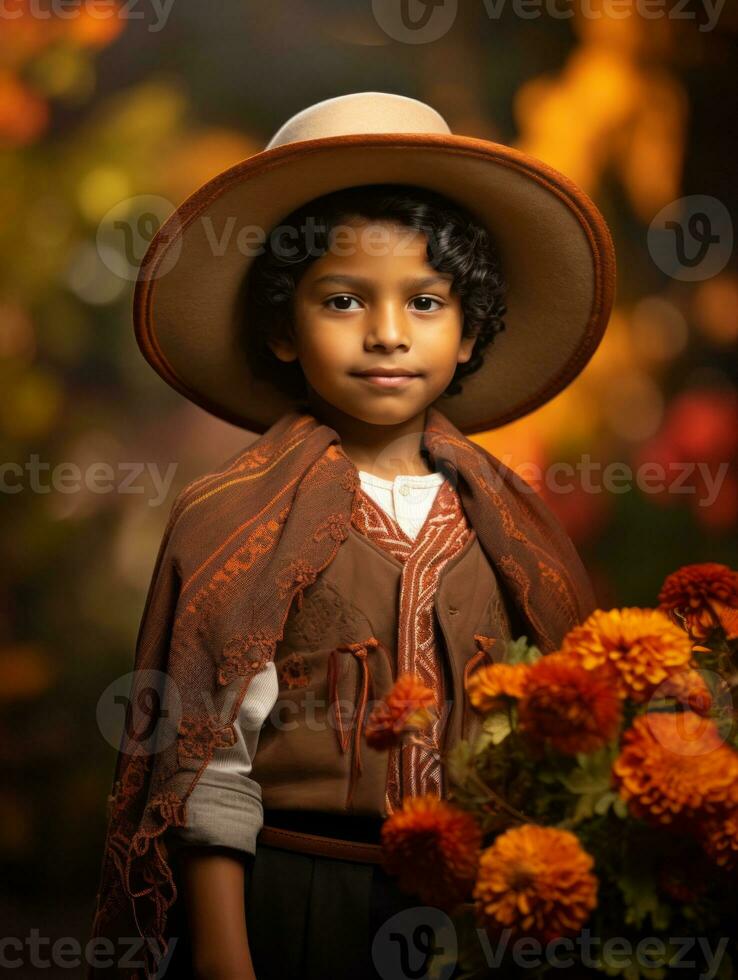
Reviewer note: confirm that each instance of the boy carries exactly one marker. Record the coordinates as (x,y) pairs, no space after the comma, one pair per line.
(285,574)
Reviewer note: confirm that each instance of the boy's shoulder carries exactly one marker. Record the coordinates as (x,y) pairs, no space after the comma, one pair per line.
(217,493)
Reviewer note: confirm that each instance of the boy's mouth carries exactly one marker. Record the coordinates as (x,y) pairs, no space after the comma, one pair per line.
(388,380)
(386,377)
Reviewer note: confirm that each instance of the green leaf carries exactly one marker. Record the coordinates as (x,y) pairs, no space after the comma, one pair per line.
(459,762)
(521,652)
(620,808)
(580,781)
(641,897)
(495,729)
(584,808)
(604,802)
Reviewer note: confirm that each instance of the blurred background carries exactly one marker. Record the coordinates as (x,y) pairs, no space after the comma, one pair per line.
(103,113)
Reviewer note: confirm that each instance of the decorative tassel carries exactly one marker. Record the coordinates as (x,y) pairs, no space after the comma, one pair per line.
(360,651)
(484,644)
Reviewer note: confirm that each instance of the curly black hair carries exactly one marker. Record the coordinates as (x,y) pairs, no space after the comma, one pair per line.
(456,245)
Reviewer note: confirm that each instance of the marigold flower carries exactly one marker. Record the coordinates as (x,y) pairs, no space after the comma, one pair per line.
(674,766)
(491,685)
(536,881)
(719,837)
(433,848)
(571,708)
(690,593)
(405,708)
(727,617)
(689,689)
(644,645)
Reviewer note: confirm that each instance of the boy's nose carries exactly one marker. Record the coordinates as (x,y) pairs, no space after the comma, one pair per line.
(388,329)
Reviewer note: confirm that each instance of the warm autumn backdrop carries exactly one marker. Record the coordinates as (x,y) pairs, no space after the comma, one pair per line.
(108,116)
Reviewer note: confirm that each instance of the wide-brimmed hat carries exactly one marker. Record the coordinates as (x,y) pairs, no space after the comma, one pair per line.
(555,249)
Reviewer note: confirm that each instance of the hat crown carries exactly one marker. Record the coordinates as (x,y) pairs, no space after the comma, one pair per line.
(360,112)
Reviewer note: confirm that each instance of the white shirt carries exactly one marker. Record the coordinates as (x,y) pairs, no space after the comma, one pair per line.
(225,806)
(406,498)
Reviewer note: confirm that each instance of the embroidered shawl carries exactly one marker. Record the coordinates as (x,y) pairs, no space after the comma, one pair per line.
(240,546)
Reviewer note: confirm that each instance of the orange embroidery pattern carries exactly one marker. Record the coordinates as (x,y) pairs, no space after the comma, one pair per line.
(244,656)
(198,735)
(294,671)
(414,769)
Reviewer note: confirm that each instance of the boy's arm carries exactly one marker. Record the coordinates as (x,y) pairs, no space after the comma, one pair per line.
(225,806)
(224,817)
(214,880)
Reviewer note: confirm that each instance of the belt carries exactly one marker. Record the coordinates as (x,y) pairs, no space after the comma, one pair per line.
(288,837)
(348,838)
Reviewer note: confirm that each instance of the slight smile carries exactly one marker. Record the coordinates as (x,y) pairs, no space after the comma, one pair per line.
(388,380)
(386,376)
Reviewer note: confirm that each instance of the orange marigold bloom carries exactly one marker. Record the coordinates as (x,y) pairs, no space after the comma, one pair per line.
(719,837)
(689,689)
(490,685)
(689,595)
(405,708)
(674,766)
(644,645)
(727,616)
(433,848)
(571,708)
(536,881)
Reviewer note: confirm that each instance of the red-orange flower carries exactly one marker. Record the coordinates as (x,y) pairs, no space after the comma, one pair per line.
(675,767)
(406,708)
(571,708)
(490,686)
(432,847)
(727,617)
(535,881)
(689,689)
(644,645)
(690,594)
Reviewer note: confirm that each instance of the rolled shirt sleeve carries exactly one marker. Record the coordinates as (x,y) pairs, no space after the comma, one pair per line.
(225,807)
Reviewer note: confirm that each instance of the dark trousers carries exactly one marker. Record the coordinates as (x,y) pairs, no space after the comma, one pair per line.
(316,918)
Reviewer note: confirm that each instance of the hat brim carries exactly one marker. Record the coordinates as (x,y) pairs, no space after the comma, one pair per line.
(555,248)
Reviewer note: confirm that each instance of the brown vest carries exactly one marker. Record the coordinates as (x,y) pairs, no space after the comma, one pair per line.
(299,763)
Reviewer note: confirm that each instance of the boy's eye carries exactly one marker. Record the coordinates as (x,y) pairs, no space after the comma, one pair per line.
(427,299)
(344,300)
(341,299)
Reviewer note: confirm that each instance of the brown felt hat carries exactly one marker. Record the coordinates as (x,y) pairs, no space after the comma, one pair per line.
(555,248)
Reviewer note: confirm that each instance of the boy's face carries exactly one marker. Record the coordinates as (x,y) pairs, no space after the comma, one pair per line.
(373,302)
